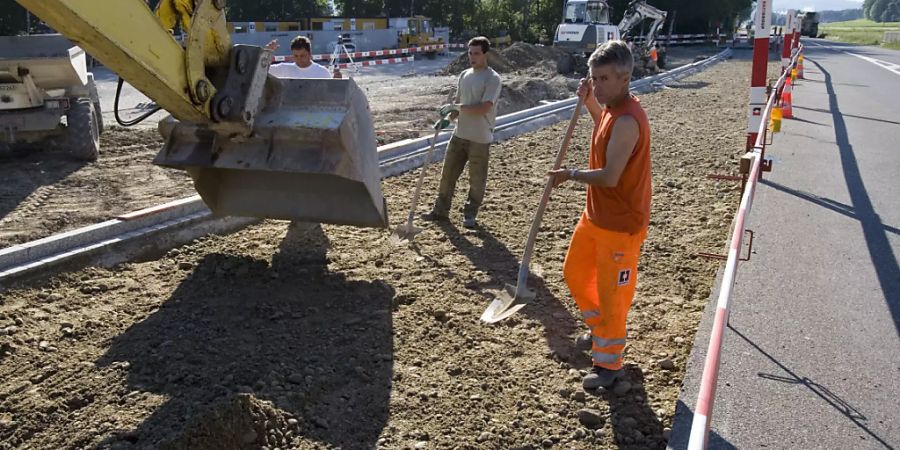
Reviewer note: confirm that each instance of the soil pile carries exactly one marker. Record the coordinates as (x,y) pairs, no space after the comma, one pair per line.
(519,57)
(243,422)
(520,94)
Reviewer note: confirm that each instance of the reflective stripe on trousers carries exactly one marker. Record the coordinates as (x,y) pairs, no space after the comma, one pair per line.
(601,272)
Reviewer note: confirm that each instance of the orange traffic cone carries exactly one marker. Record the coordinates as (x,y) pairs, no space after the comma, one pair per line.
(787,111)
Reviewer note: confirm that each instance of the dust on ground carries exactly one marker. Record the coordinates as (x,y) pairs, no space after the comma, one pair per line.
(318,337)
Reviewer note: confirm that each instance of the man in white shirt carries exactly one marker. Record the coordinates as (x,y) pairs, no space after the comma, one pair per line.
(303,65)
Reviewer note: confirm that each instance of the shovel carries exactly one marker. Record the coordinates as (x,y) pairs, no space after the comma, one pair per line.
(406,232)
(511,299)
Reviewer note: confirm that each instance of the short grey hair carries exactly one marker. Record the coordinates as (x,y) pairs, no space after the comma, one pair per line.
(613,52)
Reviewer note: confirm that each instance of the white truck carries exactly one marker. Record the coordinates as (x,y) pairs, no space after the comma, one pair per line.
(47,96)
(585,25)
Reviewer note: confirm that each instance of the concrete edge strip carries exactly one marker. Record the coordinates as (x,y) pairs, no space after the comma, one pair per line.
(26,259)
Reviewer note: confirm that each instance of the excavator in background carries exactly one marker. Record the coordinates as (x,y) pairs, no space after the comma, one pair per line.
(586,25)
(652,20)
(254,145)
(419,32)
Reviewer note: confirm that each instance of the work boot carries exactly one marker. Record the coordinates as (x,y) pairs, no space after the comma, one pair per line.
(433,217)
(470,223)
(600,377)
(583,342)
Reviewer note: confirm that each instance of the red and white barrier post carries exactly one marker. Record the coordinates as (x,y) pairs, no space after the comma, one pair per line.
(761,29)
(699,436)
(788,38)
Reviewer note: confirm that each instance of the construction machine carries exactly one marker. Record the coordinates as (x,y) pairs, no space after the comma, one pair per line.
(809,23)
(255,145)
(419,32)
(585,25)
(47,96)
(644,37)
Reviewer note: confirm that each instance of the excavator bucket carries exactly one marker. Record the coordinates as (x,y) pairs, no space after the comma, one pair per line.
(311,157)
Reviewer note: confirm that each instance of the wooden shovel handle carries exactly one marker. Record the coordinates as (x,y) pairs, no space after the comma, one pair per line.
(548,188)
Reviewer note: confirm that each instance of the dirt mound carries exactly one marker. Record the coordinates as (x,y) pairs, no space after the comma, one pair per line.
(530,57)
(244,422)
(523,94)
(517,57)
(496,61)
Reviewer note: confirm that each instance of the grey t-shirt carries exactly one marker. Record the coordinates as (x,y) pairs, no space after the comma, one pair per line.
(474,88)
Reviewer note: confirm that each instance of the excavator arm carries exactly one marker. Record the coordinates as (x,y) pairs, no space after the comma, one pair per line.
(255,145)
(637,12)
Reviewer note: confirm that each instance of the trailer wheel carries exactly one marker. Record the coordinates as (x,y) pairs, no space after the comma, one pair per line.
(82,136)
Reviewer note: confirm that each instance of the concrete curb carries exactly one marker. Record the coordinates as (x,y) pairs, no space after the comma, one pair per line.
(174,223)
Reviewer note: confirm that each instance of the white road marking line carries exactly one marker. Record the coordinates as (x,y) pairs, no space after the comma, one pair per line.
(895,68)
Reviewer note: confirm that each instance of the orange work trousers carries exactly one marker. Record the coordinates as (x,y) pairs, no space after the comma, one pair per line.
(601,271)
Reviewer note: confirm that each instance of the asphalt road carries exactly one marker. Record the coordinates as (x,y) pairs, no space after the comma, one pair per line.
(811,357)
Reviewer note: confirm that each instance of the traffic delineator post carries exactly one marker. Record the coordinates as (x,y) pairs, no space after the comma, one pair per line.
(775,120)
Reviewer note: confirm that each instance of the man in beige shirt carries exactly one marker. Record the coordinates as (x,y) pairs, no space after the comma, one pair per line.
(475,110)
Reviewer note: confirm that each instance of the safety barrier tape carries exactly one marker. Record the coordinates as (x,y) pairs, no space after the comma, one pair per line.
(367,54)
(706,397)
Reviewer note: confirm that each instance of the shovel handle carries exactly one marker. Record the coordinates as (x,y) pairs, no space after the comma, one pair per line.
(415,198)
(545,198)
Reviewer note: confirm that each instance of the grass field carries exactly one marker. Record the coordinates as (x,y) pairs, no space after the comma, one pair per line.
(860,31)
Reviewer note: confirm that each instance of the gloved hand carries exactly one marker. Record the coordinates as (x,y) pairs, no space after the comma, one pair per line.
(449,108)
(442,124)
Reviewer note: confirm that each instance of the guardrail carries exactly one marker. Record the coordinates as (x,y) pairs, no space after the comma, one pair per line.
(705,399)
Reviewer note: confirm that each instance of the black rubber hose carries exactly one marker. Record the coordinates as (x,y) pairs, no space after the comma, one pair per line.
(132,122)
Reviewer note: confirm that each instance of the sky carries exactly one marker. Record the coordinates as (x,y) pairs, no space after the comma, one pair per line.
(815,5)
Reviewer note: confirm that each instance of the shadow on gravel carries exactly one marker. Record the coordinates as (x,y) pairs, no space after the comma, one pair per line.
(496,260)
(238,333)
(634,423)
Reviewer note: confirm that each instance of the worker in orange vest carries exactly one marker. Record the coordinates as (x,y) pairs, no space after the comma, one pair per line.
(654,58)
(601,264)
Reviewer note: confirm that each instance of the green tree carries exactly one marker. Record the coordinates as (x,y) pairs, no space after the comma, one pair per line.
(274,10)
(13,18)
(877,9)
(891,12)
(359,8)
(867,7)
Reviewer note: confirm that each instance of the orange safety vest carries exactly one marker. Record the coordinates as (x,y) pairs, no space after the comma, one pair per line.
(625,207)
(653,54)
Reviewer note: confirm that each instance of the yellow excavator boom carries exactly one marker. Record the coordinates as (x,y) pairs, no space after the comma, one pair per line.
(255,145)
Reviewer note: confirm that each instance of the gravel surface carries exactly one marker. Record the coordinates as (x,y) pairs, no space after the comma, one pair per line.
(307,336)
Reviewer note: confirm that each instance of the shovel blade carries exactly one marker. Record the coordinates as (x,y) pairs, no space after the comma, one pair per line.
(404,234)
(507,302)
